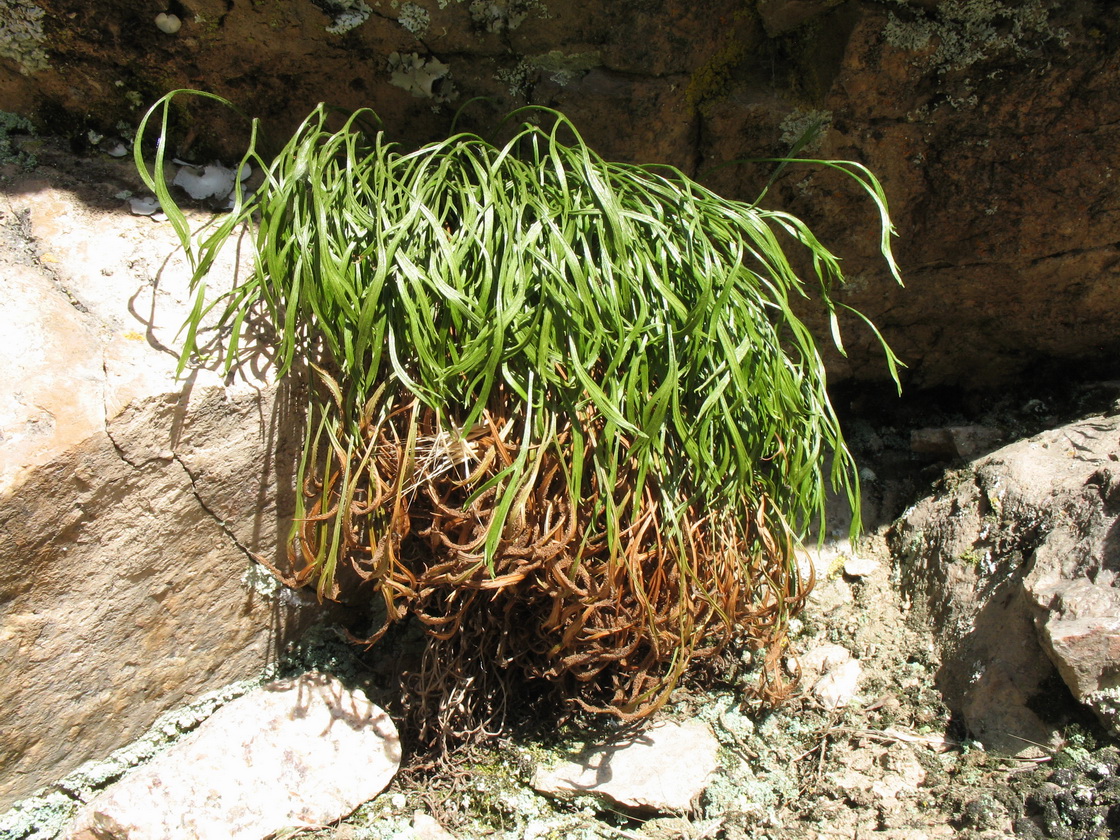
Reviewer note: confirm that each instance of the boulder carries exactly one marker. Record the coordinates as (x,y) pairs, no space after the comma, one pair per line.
(133,505)
(295,753)
(1015,559)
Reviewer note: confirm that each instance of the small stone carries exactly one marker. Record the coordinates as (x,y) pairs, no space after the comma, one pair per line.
(860,567)
(210,181)
(144,205)
(293,753)
(168,24)
(426,827)
(838,686)
(663,769)
(831,595)
(824,658)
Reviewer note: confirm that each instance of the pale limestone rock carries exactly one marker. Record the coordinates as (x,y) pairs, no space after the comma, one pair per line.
(839,685)
(426,827)
(1015,563)
(302,752)
(833,673)
(50,373)
(860,567)
(823,658)
(130,502)
(663,769)
(862,779)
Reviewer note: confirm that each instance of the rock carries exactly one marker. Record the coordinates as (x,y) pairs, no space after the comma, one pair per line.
(966,111)
(951,442)
(132,504)
(426,827)
(860,567)
(663,769)
(1081,632)
(823,658)
(838,686)
(1014,560)
(863,781)
(830,595)
(294,753)
(780,16)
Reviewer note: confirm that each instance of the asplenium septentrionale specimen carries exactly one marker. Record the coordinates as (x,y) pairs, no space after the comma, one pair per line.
(564,412)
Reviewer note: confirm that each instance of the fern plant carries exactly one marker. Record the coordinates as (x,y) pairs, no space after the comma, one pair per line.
(565,414)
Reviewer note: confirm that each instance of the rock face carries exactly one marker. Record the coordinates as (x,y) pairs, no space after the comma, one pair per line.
(1017,560)
(131,503)
(664,769)
(968,111)
(295,753)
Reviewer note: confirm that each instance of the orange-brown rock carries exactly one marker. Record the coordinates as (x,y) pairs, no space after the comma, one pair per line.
(992,125)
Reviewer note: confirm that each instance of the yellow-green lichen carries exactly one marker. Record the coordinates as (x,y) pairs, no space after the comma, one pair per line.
(711,79)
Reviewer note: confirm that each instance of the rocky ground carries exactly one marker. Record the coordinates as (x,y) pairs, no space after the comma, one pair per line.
(890,762)
(868,748)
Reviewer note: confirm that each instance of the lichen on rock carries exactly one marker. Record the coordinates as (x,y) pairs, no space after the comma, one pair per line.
(422,77)
(9,152)
(501,15)
(564,68)
(414,18)
(345,14)
(21,35)
(808,126)
(965,32)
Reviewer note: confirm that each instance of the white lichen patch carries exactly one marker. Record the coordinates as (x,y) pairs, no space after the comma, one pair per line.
(345,14)
(565,68)
(422,77)
(22,36)
(415,19)
(1106,703)
(518,79)
(963,32)
(258,579)
(502,15)
(805,128)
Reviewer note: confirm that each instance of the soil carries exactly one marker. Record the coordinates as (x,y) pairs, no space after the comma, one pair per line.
(893,763)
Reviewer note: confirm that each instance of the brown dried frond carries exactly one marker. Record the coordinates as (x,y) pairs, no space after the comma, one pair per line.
(614,630)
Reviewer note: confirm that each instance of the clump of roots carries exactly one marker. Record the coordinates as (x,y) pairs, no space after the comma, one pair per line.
(585,589)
